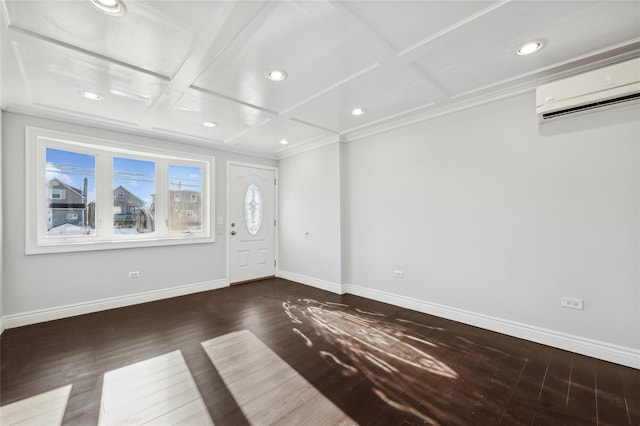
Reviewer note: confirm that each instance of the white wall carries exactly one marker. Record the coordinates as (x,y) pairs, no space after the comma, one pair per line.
(1,204)
(38,282)
(486,211)
(1,235)
(309,210)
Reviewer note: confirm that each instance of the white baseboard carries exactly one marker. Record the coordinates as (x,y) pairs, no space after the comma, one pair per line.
(313,282)
(593,348)
(33,317)
(1,325)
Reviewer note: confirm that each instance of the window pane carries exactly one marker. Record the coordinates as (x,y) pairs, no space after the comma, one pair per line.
(134,189)
(185,198)
(71,192)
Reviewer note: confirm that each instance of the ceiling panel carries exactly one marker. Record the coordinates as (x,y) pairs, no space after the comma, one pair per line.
(194,108)
(152,35)
(382,93)
(285,37)
(405,23)
(267,138)
(55,76)
(483,52)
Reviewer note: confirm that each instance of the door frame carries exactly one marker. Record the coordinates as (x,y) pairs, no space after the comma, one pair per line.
(226,218)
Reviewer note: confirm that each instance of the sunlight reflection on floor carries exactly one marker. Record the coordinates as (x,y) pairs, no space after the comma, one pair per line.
(43,409)
(158,391)
(395,360)
(266,388)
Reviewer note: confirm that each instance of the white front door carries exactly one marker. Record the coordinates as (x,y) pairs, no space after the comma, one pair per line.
(251,222)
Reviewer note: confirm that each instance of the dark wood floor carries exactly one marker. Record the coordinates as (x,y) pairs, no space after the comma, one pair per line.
(379,364)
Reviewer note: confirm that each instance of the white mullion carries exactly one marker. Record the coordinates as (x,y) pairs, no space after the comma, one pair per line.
(162,198)
(208,176)
(104,196)
(40,191)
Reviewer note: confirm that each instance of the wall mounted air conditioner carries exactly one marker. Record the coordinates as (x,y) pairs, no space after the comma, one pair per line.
(614,85)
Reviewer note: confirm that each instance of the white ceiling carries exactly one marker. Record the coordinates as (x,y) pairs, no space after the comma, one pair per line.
(165,67)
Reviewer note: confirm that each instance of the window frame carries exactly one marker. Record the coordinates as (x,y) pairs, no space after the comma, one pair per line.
(38,241)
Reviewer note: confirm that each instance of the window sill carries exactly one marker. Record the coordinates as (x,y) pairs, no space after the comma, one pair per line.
(69,247)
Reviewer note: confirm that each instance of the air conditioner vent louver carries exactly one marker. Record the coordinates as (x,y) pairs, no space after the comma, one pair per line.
(607,87)
(593,105)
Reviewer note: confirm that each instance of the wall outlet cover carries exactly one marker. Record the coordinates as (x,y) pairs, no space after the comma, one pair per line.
(571,302)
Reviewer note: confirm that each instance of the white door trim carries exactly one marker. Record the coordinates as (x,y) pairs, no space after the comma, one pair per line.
(226,218)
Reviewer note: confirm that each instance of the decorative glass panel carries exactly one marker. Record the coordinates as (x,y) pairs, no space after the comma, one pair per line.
(253,209)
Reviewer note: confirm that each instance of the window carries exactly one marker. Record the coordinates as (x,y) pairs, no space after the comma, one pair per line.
(90,194)
(133,213)
(69,176)
(58,194)
(187,179)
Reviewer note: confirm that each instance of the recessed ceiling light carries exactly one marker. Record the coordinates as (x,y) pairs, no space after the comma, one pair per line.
(358,111)
(529,48)
(90,95)
(284,142)
(209,124)
(110,7)
(276,75)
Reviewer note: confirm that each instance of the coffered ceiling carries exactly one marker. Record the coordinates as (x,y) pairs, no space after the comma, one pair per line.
(163,68)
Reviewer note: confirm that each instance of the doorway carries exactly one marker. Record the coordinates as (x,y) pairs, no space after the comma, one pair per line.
(251,221)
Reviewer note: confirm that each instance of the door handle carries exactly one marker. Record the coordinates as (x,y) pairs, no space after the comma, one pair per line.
(233,232)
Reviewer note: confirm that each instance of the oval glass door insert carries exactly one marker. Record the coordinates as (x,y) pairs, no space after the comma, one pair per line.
(253,209)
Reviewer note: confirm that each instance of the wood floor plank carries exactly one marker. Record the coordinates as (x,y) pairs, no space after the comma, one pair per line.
(582,405)
(610,396)
(192,413)
(551,400)
(522,404)
(631,391)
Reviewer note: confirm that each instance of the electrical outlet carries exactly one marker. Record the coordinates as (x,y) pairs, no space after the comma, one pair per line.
(398,274)
(134,274)
(570,302)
